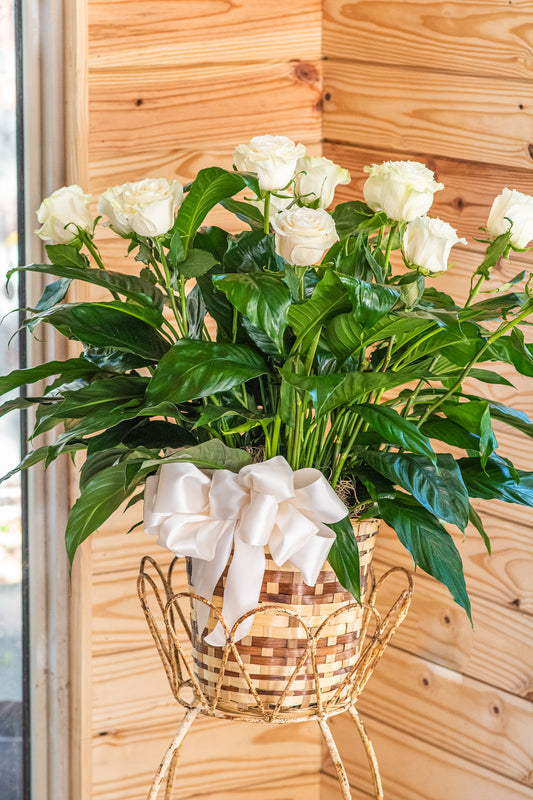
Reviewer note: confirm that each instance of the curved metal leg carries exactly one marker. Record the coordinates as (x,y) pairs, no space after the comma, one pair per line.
(170,759)
(370,752)
(335,757)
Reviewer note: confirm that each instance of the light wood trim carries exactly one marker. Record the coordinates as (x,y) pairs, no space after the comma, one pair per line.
(76,83)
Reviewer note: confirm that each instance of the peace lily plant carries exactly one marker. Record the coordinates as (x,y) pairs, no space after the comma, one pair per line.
(296,338)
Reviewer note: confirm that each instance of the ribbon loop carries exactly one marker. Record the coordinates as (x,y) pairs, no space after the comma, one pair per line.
(207,515)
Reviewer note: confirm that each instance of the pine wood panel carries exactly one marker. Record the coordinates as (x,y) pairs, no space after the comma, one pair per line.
(196,107)
(415,770)
(489,727)
(465,201)
(202,31)
(217,756)
(480,37)
(416,111)
(498,651)
(504,576)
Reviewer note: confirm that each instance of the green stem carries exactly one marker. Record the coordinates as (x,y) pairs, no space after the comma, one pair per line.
(475,290)
(528,307)
(93,250)
(170,292)
(183,301)
(389,248)
(266,213)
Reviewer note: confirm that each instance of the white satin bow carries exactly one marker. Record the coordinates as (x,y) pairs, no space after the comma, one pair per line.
(205,514)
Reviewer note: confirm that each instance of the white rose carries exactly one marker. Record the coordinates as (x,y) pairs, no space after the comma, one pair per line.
(514,206)
(402,189)
(303,235)
(272,158)
(427,243)
(61,214)
(317,178)
(145,207)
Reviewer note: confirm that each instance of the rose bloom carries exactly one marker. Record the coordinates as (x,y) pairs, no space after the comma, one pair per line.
(146,207)
(303,235)
(272,158)
(62,213)
(516,207)
(317,178)
(402,189)
(427,243)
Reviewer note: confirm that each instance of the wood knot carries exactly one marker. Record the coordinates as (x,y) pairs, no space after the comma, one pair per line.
(459,203)
(306,72)
(530,150)
(139,101)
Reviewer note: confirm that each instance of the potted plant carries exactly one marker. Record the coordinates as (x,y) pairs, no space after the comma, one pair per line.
(270,388)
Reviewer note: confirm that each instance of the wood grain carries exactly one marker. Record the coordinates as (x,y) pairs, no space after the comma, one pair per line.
(415,770)
(202,31)
(498,651)
(161,108)
(478,722)
(76,89)
(477,37)
(465,201)
(419,111)
(217,756)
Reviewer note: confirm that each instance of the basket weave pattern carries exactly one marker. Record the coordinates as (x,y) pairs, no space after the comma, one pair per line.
(276,649)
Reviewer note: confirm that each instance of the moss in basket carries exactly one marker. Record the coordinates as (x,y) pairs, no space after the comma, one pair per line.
(297,338)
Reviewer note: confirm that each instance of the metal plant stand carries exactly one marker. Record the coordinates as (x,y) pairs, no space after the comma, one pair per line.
(168,614)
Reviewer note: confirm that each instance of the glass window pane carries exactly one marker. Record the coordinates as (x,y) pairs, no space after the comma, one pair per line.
(11,757)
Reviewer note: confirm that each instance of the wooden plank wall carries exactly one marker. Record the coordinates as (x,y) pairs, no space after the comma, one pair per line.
(163,89)
(449,84)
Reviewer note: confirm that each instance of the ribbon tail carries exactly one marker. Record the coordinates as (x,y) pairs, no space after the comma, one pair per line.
(242,590)
(206,574)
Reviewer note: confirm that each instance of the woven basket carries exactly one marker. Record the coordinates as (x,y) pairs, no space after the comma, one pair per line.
(275,645)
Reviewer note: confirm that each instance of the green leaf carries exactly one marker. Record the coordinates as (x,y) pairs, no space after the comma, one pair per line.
(370,302)
(444,430)
(138,289)
(245,212)
(250,251)
(394,428)
(210,186)
(98,500)
(99,394)
(474,417)
(176,253)
(212,239)
(344,336)
(53,293)
(496,481)
(34,457)
(493,308)
(196,312)
(494,252)
(193,369)
(439,488)
(319,388)
(355,386)
(429,543)
(344,557)
(121,326)
(476,521)
(516,419)
(70,369)
(212,454)
(198,262)
(237,418)
(510,350)
(328,300)
(353,216)
(66,254)
(263,298)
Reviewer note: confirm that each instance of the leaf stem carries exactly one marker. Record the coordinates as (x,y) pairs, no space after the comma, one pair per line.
(266,213)
(388,251)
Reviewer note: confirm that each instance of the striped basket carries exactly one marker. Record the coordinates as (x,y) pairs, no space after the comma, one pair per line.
(277,641)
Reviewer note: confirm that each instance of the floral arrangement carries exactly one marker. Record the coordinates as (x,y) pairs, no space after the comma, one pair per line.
(295,342)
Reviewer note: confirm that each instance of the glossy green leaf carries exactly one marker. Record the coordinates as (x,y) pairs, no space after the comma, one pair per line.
(210,186)
(496,481)
(328,300)
(70,369)
(120,326)
(429,543)
(370,302)
(394,428)
(198,262)
(250,251)
(477,522)
(53,293)
(356,386)
(138,289)
(245,212)
(474,417)
(344,557)
(263,298)
(355,215)
(438,487)
(193,369)
(212,454)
